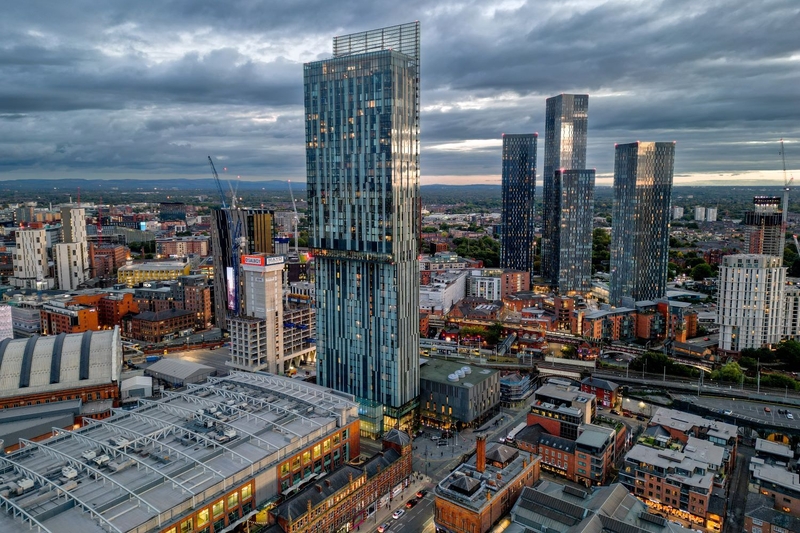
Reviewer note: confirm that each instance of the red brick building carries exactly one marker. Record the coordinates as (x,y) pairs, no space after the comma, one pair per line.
(607,392)
(157,327)
(66,317)
(105,259)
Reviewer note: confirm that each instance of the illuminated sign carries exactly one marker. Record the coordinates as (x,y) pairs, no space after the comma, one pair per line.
(256,260)
(231,287)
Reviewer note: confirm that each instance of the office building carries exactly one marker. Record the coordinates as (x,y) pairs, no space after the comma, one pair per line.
(517,239)
(640,221)
(68,317)
(570,244)
(764,227)
(751,301)
(194,460)
(478,492)
(31,268)
(454,394)
(362,160)
(133,274)
(255,236)
(565,128)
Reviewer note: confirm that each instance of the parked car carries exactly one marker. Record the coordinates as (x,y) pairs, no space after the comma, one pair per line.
(398,513)
(614,412)
(641,418)
(421,493)
(727,412)
(442,442)
(766,410)
(789,415)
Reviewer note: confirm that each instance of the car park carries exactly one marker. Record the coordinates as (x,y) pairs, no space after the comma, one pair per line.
(398,513)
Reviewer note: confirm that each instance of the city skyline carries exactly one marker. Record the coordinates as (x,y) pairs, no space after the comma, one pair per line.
(144,91)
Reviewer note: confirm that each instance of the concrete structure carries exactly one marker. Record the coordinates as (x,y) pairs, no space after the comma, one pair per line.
(31,268)
(6,322)
(711,214)
(477,493)
(299,332)
(363,205)
(443,290)
(517,238)
(72,254)
(791,309)
(565,125)
(677,212)
(177,372)
(453,394)
(347,496)
(83,366)
(763,227)
(750,301)
(554,508)
(133,274)
(640,221)
(204,458)
(700,214)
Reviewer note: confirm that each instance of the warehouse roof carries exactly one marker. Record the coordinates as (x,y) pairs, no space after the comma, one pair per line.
(178,369)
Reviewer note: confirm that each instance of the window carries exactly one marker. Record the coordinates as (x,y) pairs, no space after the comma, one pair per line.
(187,526)
(326,446)
(233,500)
(247,491)
(306,457)
(317,451)
(202,518)
(217,509)
(285,469)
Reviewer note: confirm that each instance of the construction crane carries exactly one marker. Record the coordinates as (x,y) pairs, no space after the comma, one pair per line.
(787,181)
(235,231)
(295,219)
(796,244)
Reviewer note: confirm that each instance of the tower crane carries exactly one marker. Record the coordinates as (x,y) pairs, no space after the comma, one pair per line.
(234,230)
(295,219)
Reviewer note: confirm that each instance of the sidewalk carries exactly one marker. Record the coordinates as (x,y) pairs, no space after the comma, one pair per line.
(416,482)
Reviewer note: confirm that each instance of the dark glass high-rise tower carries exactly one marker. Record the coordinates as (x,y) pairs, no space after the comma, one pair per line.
(519,185)
(565,127)
(640,221)
(362,164)
(574,203)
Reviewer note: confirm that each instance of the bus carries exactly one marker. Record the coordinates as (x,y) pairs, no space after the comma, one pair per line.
(513,433)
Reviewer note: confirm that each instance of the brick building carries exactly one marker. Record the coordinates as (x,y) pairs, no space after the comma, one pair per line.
(111,306)
(606,392)
(349,493)
(158,327)
(105,259)
(182,246)
(66,317)
(477,493)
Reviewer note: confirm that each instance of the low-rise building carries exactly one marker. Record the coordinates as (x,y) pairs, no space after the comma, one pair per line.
(515,388)
(477,493)
(774,452)
(454,394)
(777,482)
(133,274)
(65,317)
(158,327)
(763,515)
(606,392)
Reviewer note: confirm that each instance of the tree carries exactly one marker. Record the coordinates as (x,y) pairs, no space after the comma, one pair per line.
(601,250)
(729,372)
(702,271)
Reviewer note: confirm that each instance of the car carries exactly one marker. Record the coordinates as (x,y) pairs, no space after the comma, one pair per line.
(398,513)
(627,415)
(614,412)
(421,493)
(599,407)
(767,410)
(442,442)
(789,415)
(727,412)
(384,527)
(641,418)
(411,503)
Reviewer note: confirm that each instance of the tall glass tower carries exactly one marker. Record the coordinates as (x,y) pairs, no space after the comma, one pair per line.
(362,164)
(519,185)
(574,205)
(640,221)
(565,126)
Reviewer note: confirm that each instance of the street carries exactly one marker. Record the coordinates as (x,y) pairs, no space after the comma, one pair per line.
(748,411)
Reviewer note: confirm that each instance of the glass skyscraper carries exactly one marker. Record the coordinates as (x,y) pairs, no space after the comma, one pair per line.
(519,184)
(572,244)
(362,164)
(565,127)
(640,221)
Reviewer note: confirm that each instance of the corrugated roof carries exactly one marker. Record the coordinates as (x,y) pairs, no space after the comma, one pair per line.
(177,368)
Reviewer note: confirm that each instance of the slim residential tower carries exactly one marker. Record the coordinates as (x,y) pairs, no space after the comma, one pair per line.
(362,163)
(572,238)
(566,122)
(519,184)
(640,221)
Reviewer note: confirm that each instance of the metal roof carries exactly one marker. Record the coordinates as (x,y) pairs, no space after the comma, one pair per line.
(178,368)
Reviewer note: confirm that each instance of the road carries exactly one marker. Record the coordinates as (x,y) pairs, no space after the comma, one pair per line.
(737,491)
(750,411)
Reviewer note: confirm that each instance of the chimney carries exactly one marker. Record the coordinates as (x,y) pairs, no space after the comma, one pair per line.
(319,488)
(480,459)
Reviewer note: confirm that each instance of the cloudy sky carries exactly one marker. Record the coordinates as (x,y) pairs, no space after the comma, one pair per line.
(149,88)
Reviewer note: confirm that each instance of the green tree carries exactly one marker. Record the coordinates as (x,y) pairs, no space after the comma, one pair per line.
(493,333)
(601,250)
(729,373)
(702,271)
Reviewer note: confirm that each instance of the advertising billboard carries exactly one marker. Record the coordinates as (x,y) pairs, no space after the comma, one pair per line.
(231,287)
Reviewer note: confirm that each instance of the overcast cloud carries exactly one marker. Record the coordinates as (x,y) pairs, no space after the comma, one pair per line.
(148,88)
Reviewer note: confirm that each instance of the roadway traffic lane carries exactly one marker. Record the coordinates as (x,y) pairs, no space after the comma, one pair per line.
(749,411)
(418,518)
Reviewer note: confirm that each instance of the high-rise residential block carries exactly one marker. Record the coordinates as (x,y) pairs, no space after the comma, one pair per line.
(677,212)
(565,127)
(31,268)
(72,253)
(640,221)
(572,242)
(764,227)
(519,184)
(362,163)
(711,214)
(700,213)
(751,301)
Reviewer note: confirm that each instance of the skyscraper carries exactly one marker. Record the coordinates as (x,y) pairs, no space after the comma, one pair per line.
(572,242)
(362,163)
(519,184)
(640,221)
(764,227)
(565,127)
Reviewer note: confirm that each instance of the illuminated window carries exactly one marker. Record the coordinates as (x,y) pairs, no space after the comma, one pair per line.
(285,469)
(326,446)
(233,500)
(306,457)
(336,439)
(187,526)
(247,491)
(317,451)
(218,508)
(202,518)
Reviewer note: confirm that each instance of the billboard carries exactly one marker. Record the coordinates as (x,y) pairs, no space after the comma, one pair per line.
(255,260)
(231,287)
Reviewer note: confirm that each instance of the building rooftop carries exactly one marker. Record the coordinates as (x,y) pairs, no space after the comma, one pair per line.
(164,457)
(685,422)
(153,316)
(177,368)
(774,448)
(778,476)
(468,488)
(440,371)
(685,467)
(161,265)
(600,383)
(594,436)
(761,507)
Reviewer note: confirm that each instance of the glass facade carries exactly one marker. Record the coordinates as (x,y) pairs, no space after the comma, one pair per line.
(566,122)
(640,221)
(574,194)
(519,185)
(362,162)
